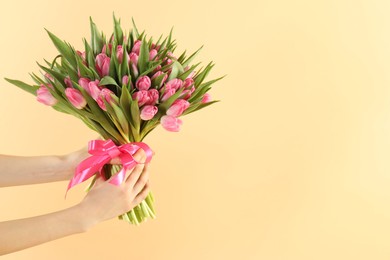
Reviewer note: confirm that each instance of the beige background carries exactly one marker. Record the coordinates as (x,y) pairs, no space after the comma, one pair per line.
(292,164)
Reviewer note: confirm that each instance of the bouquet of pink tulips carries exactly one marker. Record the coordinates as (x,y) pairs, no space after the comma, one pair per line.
(122,88)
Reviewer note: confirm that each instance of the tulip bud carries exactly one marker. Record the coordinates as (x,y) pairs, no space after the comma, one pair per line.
(133,58)
(188,82)
(136,47)
(153,96)
(76,98)
(152,54)
(168,93)
(83,82)
(142,96)
(105,95)
(206,98)
(171,123)
(143,83)
(186,94)
(45,97)
(178,107)
(119,53)
(94,89)
(125,80)
(68,82)
(174,83)
(148,112)
(102,64)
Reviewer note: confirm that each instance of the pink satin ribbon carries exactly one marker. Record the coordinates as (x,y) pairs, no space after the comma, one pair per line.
(102,152)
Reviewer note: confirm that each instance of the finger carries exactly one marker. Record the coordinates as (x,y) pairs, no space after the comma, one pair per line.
(140,156)
(142,180)
(142,195)
(116,160)
(134,174)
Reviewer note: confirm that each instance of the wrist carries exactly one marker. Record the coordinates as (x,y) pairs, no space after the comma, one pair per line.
(67,166)
(82,217)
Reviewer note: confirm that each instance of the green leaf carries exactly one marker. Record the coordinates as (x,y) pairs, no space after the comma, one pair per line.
(96,38)
(156,82)
(124,123)
(98,114)
(186,73)
(113,63)
(182,57)
(124,67)
(198,107)
(135,30)
(118,33)
(24,86)
(70,70)
(84,70)
(107,80)
(188,61)
(176,69)
(60,84)
(89,56)
(152,66)
(202,75)
(143,58)
(125,101)
(116,120)
(135,115)
(63,48)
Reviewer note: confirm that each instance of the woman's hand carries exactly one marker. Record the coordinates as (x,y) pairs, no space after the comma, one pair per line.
(105,200)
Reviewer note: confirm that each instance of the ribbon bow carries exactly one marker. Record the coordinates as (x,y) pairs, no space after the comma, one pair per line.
(102,152)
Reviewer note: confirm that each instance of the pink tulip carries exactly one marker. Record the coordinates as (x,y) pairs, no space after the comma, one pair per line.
(68,82)
(153,96)
(134,62)
(171,123)
(206,98)
(107,95)
(148,112)
(142,96)
(119,53)
(102,64)
(94,89)
(136,47)
(133,58)
(178,107)
(174,83)
(155,75)
(186,94)
(76,98)
(125,80)
(152,54)
(143,83)
(84,82)
(188,82)
(45,97)
(168,93)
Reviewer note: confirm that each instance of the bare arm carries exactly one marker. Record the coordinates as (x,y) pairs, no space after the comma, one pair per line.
(97,206)
(20,170)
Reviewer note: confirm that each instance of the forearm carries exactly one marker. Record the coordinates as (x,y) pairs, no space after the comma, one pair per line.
(20,170)
(19,234)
